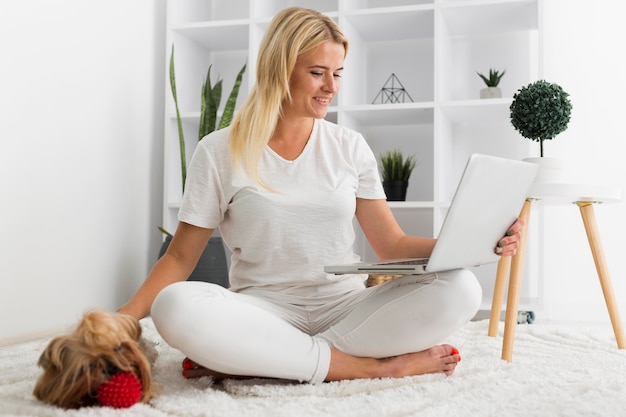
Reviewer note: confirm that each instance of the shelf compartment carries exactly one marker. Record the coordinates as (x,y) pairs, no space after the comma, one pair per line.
(394,42)
(392,24)
(188,11)
(415,140)
(217,36)
(465,56)
(489,17)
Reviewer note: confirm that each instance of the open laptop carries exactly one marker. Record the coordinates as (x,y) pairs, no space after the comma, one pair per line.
(486,203)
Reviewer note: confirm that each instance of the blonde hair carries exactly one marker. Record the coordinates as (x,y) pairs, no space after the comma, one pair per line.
(292,32)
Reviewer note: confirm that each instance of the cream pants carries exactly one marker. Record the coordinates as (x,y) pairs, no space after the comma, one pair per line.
(253,335)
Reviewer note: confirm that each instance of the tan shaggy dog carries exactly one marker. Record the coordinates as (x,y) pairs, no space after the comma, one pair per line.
(103,344)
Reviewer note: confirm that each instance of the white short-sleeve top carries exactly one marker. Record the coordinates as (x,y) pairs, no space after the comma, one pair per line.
(281,239)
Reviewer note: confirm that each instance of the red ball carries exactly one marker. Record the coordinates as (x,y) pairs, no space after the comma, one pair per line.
(121,391)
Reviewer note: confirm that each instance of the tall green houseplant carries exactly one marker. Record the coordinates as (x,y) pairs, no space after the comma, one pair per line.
(210,99)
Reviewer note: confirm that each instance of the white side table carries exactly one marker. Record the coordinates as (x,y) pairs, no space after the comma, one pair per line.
(584,196)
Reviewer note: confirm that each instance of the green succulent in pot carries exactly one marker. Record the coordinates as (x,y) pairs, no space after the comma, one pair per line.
(396,171)
(494,77)
(491,81)
(540,111)
(395,167)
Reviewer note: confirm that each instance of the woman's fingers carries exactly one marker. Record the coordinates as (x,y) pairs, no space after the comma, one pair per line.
(507,246)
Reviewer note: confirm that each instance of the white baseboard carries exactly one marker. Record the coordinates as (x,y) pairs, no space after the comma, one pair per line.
(31,337)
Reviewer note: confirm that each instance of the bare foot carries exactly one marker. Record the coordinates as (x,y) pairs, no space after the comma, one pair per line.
(437,359)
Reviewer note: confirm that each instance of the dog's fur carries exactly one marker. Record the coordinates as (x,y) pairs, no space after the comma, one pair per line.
(76,364)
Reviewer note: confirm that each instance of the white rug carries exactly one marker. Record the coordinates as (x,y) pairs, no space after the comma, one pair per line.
(556,371)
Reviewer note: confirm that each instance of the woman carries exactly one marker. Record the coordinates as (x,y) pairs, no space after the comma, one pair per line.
(283,186)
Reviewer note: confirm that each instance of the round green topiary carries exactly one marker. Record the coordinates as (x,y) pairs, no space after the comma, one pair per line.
(540,111)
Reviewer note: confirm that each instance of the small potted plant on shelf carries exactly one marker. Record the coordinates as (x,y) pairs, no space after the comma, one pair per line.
(492,90)
(212,265)
(539,112)
(396,171)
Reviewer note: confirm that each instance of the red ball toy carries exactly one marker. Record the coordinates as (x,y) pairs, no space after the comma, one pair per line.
(122,391)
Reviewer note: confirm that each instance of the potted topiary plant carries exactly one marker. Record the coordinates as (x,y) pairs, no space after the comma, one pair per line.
(396,171)
(492,90)
(539,112)
(212,265)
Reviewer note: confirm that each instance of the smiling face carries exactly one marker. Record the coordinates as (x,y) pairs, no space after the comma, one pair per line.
(314,81)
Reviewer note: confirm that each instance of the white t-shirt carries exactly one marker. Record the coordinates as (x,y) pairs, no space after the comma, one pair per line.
(280,241)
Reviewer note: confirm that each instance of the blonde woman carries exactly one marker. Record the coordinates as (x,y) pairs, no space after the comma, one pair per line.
(283,185)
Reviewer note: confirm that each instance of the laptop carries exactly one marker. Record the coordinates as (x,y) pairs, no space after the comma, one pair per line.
(486,203)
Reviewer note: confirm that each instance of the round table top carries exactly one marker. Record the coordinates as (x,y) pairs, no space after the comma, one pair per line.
(575,193)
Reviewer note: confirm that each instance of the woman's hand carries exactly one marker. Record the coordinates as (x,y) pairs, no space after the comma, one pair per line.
(511,241)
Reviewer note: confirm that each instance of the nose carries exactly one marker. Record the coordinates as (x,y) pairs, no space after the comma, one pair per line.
(331,84)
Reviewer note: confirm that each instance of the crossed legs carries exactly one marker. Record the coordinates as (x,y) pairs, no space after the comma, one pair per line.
(391,330)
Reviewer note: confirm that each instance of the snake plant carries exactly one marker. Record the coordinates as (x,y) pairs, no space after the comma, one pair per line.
(209,103)
(210,99)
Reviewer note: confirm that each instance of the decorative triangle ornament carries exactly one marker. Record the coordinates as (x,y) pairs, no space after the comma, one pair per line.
(392,92)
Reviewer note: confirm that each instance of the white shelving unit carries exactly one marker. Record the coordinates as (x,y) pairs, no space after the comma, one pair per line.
(434,47)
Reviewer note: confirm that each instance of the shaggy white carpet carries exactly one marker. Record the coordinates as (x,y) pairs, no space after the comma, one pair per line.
(556,371)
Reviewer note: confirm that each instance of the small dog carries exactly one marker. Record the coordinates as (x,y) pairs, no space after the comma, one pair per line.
(102,345)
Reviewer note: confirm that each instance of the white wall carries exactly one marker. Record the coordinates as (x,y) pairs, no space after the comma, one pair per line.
(80,156)
(583,52)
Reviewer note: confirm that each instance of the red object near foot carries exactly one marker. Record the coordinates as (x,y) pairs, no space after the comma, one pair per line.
(187,363)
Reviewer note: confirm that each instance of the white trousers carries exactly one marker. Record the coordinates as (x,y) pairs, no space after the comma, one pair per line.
(243,334)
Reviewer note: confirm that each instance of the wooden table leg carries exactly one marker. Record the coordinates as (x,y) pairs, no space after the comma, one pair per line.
(504,265)
(502,273)
(593,235)
(515,287)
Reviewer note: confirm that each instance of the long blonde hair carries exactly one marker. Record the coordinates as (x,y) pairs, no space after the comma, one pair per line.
(292,32)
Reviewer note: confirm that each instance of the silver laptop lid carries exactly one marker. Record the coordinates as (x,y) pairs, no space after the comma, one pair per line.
(487,201)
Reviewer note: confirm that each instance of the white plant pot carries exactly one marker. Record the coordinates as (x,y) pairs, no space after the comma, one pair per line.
(491,92)
(550,169)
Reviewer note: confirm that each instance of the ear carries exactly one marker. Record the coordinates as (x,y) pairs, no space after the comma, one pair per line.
(68,378)
(52,356)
